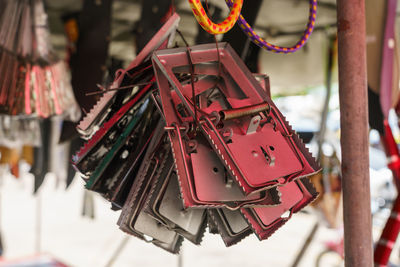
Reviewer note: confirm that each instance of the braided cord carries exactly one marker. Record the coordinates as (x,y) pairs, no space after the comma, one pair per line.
(255,38)
(213,28)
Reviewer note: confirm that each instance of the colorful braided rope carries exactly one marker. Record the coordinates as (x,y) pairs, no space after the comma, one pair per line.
(255,38)
(208,25)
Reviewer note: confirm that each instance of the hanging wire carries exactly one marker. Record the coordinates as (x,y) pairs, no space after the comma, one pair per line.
(259,41)
(103,91)
(191,67)
(173,7)
(192,75)
(219,60)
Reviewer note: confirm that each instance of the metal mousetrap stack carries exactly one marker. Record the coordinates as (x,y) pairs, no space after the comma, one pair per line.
(187,138)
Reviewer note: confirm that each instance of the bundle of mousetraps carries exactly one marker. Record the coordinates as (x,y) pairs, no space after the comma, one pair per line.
(187,138)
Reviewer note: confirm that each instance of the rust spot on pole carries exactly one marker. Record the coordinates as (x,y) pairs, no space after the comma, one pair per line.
(343,25)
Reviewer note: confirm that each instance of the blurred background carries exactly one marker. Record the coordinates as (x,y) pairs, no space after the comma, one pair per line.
(46,215)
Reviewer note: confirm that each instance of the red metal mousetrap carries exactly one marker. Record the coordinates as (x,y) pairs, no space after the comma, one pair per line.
(204,180)
(294,196)
(233,112)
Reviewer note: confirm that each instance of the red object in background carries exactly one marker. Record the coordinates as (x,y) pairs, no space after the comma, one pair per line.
(388,237)
(391,230)
(392,152)
(41,260)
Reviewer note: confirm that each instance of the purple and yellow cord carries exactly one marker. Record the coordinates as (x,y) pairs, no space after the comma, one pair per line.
(255,38)
(213,28)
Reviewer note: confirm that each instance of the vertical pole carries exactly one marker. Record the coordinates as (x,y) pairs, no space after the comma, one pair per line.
(321,138)
(306,244)
(180,258)
(118,251)
(38,232)
(354,132)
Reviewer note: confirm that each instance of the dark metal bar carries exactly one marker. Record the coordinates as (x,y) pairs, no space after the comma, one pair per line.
(118,251)
(354,132)
(321,139)
(328,86)
(306,244)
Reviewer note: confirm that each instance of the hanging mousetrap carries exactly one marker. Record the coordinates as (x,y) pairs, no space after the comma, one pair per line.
(109,178)
(233,112)
(204,180)
(89,156)
(161,40)
(133,219)
(294,196)
(166,206)
(230,225)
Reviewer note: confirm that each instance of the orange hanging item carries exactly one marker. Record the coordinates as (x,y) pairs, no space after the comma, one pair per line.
(213,28)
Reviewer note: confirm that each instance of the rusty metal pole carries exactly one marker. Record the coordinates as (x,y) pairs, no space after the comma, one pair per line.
(354,132)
